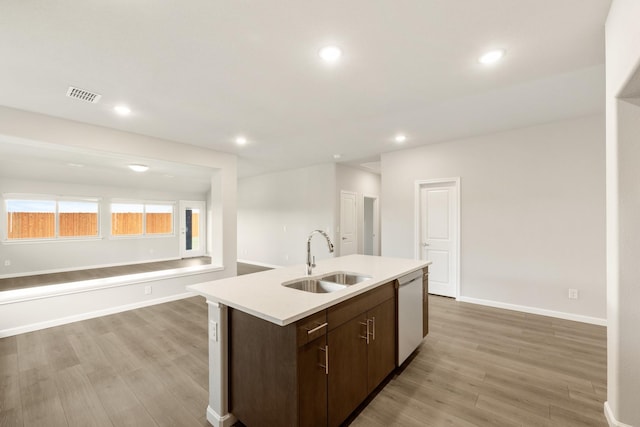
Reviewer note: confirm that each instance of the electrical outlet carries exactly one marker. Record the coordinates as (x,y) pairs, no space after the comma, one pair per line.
(573,294)
(7,262)
(213,331)
(148,289)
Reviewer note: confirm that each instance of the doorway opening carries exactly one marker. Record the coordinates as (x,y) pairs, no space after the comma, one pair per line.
(370,226)
(192,229)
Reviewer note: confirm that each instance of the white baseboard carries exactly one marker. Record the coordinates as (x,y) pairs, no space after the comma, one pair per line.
(535,310)
(611,419)
(220,421)
(259,264)
(90,315)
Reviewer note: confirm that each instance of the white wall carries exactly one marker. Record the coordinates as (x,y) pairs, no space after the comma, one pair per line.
(623,210)
(222,213)
(63,255)
(363,184)
(38,127)
(277,211)
(532,213)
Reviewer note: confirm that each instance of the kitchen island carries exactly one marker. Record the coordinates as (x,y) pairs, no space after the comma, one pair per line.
(263,336)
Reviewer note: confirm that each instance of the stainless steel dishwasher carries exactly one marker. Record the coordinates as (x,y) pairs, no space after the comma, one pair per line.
(409,314)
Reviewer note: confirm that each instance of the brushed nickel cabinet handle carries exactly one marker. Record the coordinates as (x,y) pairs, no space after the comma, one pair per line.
(366,336)
(317,328)
(326,359)
(373,323)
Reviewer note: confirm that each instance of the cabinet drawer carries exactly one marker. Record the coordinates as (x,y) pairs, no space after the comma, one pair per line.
(311,327)
(347,310)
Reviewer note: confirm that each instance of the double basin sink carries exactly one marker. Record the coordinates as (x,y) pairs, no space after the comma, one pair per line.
(330,282)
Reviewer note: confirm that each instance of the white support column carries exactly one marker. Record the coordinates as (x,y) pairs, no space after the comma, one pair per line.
(218,410)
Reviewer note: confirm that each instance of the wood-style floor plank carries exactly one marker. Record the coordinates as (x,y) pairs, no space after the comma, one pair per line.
(479,366)
(21,282)
(80,402)
(489,367)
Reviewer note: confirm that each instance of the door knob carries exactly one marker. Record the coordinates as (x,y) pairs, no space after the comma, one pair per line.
(425,244)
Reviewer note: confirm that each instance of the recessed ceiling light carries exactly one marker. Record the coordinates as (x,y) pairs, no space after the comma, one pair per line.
(138,167)
(330,53)
(241,140)
(123,110)
(337,156)
(492,57)
(400,138)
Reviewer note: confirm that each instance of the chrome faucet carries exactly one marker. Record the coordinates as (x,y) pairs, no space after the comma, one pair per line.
(310,263)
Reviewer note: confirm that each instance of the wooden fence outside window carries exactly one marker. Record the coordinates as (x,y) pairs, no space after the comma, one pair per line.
(42,225)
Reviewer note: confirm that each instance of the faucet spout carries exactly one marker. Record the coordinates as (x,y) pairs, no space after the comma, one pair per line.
(310,263)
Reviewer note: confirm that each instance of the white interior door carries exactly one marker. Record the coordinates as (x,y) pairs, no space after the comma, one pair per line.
(192,229)
(438,233)
(348,223)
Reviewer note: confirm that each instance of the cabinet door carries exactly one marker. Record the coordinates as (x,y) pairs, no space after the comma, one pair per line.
(347,368)
(312,383)
(381,353)
(425,303)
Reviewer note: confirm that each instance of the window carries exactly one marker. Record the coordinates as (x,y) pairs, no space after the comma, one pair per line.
(159,219)
(31,219)
(78,219)
(137,219)
(126,219)
(51,219)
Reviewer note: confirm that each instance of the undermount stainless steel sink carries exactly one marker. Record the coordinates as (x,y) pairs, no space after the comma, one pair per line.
(344,278)
(314,285)
(328,283)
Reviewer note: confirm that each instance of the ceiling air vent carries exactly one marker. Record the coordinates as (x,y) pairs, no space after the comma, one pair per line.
(83,95)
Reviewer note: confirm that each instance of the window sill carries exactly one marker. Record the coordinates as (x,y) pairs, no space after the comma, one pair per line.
(55,240)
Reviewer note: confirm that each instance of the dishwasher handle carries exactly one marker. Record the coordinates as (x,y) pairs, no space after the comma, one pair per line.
(408,278)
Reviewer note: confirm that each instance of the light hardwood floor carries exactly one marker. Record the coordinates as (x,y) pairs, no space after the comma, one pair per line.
(97,273)
(479,366)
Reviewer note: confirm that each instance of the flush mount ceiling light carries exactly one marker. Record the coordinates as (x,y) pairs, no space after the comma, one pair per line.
(241,140)
(75,165)
(330,54)
(138,168)
(492,57)
(337,156)
(400,138)
(123,110)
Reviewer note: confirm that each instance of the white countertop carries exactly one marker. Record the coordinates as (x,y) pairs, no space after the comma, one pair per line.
(262,294)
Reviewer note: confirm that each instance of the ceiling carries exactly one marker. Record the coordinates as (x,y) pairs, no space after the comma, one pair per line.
(205,71)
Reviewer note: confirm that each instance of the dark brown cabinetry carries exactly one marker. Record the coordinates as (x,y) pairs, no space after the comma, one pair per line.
(312,383)
(314,372)
(381,354)
(425,302)
(361,342)
(348,369)
(277,374)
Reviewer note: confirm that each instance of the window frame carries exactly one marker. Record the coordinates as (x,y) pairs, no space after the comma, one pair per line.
(56,199)
(144,204)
